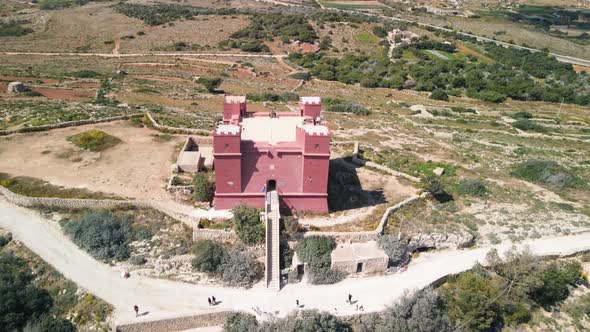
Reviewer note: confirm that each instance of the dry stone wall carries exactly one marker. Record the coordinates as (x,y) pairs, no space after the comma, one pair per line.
(176,324)
(176,130)
(67,124)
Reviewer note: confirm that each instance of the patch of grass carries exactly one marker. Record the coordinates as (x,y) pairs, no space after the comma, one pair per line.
(34,187)
(546,172)
(14,28)
(472,187)
(528,125)
(367,38)
(94,140)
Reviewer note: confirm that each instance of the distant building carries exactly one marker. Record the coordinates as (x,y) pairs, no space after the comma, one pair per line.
(259,152)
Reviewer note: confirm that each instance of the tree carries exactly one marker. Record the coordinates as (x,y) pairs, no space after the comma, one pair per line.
(307,321)
(247,224)
(201,188)
(439,95)
(211,84)
(472,302)
(397,250)
(557,279)
(20,300)
(103,234)
(240,322)
(420,312)
(48,323)
(316,250)
(209,255)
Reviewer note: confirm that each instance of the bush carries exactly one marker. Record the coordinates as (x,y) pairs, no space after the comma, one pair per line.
(307,321)
(247,224)
(301,76)
(104,235)
(60,4)
(545,172)
(418,312)
(436,189)
(528,125)
(209,255)
(315,250)
(240,269)
(345,106)
(240,322)
(558,277)
(397,250)
(14,28)
(472,187)
(138,260)
(211,84)
(85,74)
(522,115)
(439,95)
(48,323)
(5,239)
(20,300)
(202,188)
(94,140)
(491,96)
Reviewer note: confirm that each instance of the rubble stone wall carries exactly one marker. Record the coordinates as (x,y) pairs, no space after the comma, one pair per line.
(175,324)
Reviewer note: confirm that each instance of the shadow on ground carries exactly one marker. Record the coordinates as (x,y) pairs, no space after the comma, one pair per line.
(345,191)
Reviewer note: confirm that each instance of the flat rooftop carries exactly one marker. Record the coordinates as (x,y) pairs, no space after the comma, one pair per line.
(357,251)
(271,130)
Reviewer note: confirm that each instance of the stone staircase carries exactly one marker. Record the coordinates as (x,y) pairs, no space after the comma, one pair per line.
(272,220)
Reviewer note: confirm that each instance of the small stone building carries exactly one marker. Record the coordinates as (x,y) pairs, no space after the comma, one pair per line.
(364,257)
(193,158)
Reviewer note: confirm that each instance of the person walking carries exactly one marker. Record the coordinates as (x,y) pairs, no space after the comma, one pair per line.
(209,300)
(349,298)
(136,309)
(213,300)
(297,301)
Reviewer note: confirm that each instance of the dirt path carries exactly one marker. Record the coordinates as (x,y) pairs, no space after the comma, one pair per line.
(163,298)
(117,46)
(129,55)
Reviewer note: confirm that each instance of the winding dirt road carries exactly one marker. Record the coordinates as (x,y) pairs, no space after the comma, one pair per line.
(163,298)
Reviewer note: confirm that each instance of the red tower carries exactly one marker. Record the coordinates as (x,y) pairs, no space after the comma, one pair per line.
(259,152)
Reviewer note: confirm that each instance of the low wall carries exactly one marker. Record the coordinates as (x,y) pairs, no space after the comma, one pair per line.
(176,130)
(175,324)
(67,124)
(213,234)
(75,203)
(369,235)
(361,162)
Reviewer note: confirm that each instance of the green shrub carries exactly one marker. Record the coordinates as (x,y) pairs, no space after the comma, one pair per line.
(20,299)
(138,260)
(397,250)
(558,277)
(491,96)
(60,4)
(209,255)
(436,188)
(47,323)
(14,28)
(85,74)
(439,95)
(5,239)
(247,224)
(94,140)
(202,188)
(546,172)
(315,250)
(522,115)
(240,322)
(211,84)
(528,125)
(345,106)
(472,187)
(240,269)
(302,75)
(103,234)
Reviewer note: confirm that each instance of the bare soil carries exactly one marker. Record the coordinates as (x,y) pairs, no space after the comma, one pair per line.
(136,168)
